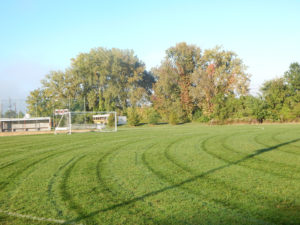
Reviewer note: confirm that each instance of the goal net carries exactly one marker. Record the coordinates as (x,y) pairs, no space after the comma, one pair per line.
(69,122)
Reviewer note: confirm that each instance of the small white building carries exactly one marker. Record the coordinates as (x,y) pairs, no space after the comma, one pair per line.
(25,124)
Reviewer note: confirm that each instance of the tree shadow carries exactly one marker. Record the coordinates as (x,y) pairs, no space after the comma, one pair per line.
(161,123)
(190,180)
(141,124)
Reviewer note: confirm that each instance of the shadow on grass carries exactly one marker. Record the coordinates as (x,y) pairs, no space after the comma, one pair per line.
(161,123)
(141,124)
(149,124)
(153,193)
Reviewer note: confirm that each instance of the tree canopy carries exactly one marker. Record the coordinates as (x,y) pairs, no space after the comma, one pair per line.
(282,95)
(106,79)
(187,80)
(189,84)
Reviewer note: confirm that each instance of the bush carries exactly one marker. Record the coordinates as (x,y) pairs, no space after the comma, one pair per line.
(200,117)
(197,115)
(142,112)
(173,118)
(152,116)
(133,117)
(296,111)
(111,120)
(203,119)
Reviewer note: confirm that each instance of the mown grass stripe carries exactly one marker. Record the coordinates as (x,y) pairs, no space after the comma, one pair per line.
(151,175)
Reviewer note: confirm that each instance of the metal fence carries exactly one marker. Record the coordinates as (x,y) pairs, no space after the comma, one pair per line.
(15,114)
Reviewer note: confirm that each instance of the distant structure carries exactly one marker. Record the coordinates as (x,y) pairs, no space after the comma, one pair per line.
(122,120)
(25,124)
(101,119)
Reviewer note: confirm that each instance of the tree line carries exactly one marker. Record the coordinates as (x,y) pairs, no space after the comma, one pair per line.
(190,84)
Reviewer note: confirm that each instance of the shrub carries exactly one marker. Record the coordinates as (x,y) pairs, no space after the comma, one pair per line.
(197,115)
(111,120)
(152,116)
(296,110)
(173,118)
(203,119)
(133,117)
(142,112)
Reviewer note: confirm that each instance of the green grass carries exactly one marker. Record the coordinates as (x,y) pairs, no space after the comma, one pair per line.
(185,174)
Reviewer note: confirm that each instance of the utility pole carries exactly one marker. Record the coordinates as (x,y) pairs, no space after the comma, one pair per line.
(17,112)
(9,107)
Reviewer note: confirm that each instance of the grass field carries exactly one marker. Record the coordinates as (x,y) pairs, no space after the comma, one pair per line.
(185,174)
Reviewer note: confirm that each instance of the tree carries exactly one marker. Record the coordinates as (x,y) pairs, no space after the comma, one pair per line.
(172,89)
(107,79)
(292,79)
(10,114)
(259,108)
(275,95)
(185,60)
(173,118)
(166,97)
(39,104)
(292,76)
(111,120)
(220,74)
(296,110)
(133,117)
(282,95)
(152,116)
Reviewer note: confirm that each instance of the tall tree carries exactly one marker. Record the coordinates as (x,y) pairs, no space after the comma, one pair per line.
(175,75)
(292,79)
(275,92)
(282,95)
(105,79)
(220,74)
(166,97)
(39,104)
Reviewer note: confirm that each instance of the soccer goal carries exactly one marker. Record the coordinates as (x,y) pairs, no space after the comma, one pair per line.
(86,121)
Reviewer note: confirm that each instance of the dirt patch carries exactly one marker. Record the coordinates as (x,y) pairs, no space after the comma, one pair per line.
(24,133)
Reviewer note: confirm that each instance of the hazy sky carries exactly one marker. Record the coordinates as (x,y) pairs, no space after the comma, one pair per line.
(39,36)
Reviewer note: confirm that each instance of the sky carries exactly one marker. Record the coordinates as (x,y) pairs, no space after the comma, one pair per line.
(39,36)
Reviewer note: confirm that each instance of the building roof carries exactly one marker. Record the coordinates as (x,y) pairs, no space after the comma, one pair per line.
(24,119)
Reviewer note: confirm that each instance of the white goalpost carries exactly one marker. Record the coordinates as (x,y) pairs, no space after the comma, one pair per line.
(68,122)
(62,121)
